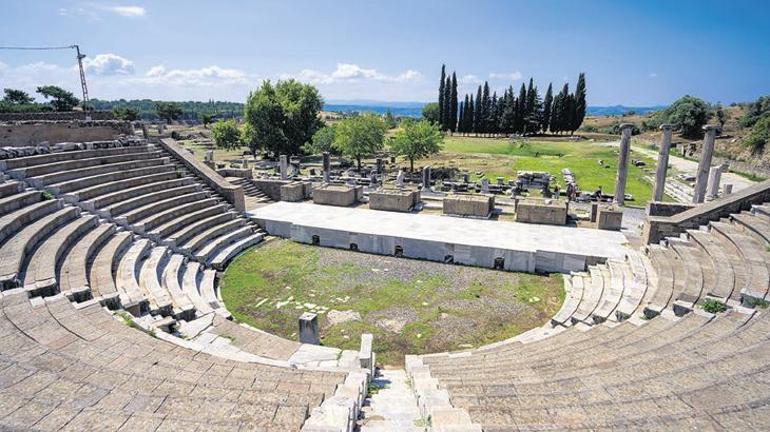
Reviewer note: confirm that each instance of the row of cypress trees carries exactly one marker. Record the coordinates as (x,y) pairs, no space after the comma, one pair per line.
(511,113)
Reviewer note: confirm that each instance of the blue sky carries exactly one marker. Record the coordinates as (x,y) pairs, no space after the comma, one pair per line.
(633,52)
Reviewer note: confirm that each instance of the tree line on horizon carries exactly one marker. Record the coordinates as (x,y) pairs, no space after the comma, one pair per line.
(520,113)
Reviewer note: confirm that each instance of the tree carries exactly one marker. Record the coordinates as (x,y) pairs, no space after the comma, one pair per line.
(360,136)
(282,117)
(453,104)
(127,114)
(205,118)
(755,111)
(478,118)
(521,109)
(689,113)
(486,105)
(61,100)
(447,100)
(417,139)
(431,112)
(323,140)
(264,119)
(461,115)
(759,136)
(390,119)
(580,102)
(168,111)
(547,105)
(226,134)
(441,101)
(470,114)
(17,97)
(301,104)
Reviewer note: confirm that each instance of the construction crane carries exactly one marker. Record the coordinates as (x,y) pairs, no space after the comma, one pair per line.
(80,57)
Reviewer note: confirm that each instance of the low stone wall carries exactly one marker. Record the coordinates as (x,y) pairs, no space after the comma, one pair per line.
(468,205)
(235,172)
(658,227)
(271,187)
(295,191)
(609,219)
(337,195)
(659,208)
(231,192)
(56,116)
(33,133)
(394,200)
(542,212)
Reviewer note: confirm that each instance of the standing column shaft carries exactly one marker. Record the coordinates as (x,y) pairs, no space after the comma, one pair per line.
(702,176)
(660,172)
(625,146)
(327,166)
(284,167)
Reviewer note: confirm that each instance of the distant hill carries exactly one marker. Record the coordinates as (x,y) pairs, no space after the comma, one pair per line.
(414,109)
(620,110)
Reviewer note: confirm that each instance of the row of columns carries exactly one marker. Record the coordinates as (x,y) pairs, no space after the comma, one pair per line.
(706,174)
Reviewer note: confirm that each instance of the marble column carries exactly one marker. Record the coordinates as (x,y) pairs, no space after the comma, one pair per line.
(284,167)
(327,166)
(715,176)
(625,147)
(702,175)
(660,172)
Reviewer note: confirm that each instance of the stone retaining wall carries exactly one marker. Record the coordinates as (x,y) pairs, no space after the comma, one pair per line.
(33,133)
(394,200)
(657,228)
(231,192)
(56,116)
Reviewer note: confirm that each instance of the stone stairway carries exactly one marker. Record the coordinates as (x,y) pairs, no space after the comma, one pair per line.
(392,406)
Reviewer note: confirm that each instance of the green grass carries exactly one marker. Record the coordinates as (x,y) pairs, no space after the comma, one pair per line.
(425,301)
(580,157)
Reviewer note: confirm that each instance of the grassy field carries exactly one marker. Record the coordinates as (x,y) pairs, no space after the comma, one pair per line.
(503,158)
(410,306)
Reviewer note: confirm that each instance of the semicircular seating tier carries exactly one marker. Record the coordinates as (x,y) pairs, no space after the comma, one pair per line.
(108,248)
(632,346)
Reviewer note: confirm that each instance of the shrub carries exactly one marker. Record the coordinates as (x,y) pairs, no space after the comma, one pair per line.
(759,135)
(714,306)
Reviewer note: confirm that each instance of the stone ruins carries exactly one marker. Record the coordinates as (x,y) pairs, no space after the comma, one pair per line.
(112,317)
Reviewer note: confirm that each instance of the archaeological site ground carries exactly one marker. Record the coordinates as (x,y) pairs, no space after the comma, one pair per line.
(384,217)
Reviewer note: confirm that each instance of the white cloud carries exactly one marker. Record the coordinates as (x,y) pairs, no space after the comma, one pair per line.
(205,76)
(513,76)
(108,64)
(652,75)
(348,72)
(469,79)
(128,11)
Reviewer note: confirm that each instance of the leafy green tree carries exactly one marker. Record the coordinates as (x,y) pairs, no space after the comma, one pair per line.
(760,134)
(360,136)
(461,116)
(205,118)
(447,102)
(61,100)
(417,139)
(265,118)
(431,112)
(168,111)
(689,113)
(478,118)
(226,134)
(301,104)
(521,110)
(128,114)
(390,119)
(580,102)
(323,140)
(17,97)
(470,114)
(755,111)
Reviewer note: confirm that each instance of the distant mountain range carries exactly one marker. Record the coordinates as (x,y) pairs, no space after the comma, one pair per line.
(414,109)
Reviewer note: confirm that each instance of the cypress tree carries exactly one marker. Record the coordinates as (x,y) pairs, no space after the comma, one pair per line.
(580,101)
(453,104)
(470,116)
(562,113)
(477,117)
(508,113)
(521,109)
(547,103)
(447,99)
(486,105)
(460,118)
(441,96)
(464,120)
(492,124)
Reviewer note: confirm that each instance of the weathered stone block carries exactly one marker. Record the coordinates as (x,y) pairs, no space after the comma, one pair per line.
(610,219)
(294,191)
(469,205)
(336,195)
(308,328)
(394,200)
(550,212)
